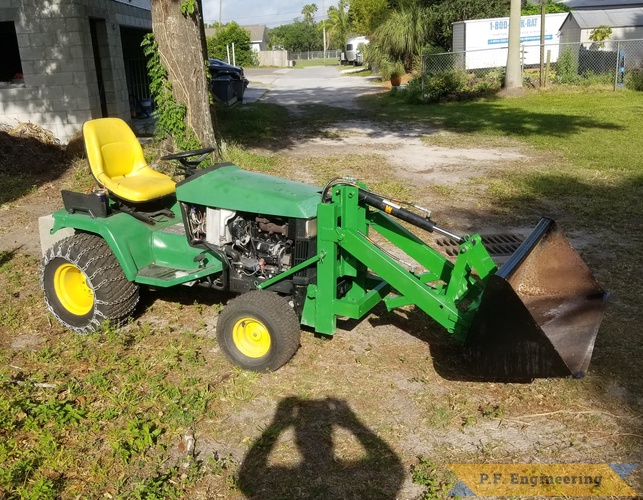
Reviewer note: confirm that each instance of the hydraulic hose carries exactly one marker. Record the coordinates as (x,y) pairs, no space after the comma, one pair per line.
(396,210)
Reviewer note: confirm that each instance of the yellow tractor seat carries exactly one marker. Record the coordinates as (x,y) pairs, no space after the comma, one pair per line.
(117,163)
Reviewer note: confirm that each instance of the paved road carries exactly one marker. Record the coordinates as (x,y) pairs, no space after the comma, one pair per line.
(314,85)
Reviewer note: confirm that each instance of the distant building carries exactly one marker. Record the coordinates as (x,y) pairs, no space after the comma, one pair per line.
(600,4)
(67,61)
(258,36)
(626,23)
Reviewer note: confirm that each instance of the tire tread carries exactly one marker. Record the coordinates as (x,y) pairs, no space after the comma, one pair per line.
(115,297)
(282,319)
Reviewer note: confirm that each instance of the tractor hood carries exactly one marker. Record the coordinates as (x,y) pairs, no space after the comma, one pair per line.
(227,186)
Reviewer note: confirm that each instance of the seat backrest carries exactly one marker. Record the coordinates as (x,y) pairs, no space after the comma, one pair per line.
(112,148)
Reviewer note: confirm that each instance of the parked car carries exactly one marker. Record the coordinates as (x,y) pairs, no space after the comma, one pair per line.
(228,82)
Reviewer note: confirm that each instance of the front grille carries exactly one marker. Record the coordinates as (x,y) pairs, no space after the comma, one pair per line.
(304,250)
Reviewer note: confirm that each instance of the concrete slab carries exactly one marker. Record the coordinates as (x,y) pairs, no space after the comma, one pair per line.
(45,225)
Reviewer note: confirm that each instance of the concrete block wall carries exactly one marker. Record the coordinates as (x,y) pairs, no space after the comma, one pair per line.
(273,58)
(60,89)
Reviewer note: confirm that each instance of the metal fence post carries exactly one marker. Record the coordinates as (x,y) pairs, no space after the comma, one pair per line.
(618,58)
(423,72)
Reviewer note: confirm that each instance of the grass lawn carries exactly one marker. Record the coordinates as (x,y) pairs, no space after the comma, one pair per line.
(593,138)
(305,63)
(111,415)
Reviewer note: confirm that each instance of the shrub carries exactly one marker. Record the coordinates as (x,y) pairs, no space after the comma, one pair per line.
(443,85)
(453,85)
(566,68)
(413,92)
(634,78)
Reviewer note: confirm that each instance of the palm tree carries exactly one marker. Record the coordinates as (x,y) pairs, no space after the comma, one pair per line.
(308,12)
(338,24)
(401,36)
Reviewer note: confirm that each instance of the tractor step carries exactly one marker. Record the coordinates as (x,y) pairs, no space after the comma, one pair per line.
(165,276)
(161,272)
(499,246)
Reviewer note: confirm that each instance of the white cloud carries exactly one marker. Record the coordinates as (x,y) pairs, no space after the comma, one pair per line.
(259,11)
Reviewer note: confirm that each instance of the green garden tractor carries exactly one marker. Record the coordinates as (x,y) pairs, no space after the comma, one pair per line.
(300,255)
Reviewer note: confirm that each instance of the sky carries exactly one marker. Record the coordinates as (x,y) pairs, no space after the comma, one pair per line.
(271,13)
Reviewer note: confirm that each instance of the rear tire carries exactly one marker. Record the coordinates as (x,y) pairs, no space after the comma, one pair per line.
(258,331)
(84,284)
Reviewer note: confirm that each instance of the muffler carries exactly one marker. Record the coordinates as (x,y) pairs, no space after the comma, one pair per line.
(539,313)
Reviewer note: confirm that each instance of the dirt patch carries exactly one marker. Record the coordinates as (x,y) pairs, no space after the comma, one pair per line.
(404,150)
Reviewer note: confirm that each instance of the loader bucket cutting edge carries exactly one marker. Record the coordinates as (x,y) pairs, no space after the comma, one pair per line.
(539,314)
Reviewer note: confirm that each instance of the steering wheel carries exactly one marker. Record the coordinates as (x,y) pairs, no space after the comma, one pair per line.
(189,166)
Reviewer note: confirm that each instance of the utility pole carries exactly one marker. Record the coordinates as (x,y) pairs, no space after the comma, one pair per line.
(513,79)
(220,10)
(324,31)
(543,13)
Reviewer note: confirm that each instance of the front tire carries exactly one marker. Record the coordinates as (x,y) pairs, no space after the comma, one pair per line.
(84,284)
(258,331)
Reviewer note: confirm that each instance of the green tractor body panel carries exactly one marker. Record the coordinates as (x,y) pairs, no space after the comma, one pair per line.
(156,254)
(227,186)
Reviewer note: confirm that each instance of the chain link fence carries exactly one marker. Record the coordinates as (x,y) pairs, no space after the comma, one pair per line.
(615,63)
(314,54)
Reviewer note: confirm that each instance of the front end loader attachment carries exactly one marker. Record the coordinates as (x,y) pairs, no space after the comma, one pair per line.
(539,313)
(537,316)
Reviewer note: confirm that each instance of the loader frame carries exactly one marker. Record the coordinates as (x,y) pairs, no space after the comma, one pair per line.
(448,292)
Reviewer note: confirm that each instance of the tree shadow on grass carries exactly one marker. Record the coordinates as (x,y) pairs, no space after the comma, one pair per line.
(489,115)
(275,127)
(279,127)
(321,473)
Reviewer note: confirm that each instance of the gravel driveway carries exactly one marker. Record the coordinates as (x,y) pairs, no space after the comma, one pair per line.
(313,85)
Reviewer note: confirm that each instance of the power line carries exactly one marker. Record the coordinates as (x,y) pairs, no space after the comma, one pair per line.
(263,16)
(270,15)
(271,23)
(290,21)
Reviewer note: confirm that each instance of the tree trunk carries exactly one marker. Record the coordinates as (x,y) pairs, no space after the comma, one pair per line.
(182,49)
(513,79)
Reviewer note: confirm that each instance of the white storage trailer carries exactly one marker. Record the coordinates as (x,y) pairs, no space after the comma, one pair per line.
(353,53)
(485,41)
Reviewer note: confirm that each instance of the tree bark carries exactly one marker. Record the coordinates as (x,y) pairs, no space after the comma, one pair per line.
(182,49)
(513,78)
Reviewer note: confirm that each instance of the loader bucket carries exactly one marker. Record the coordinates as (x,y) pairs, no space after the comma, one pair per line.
(539,314)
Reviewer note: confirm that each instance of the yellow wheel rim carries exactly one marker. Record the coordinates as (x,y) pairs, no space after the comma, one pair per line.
(70,285)
(251,337)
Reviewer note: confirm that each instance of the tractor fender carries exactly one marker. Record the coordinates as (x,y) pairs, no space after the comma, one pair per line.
(125,236)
